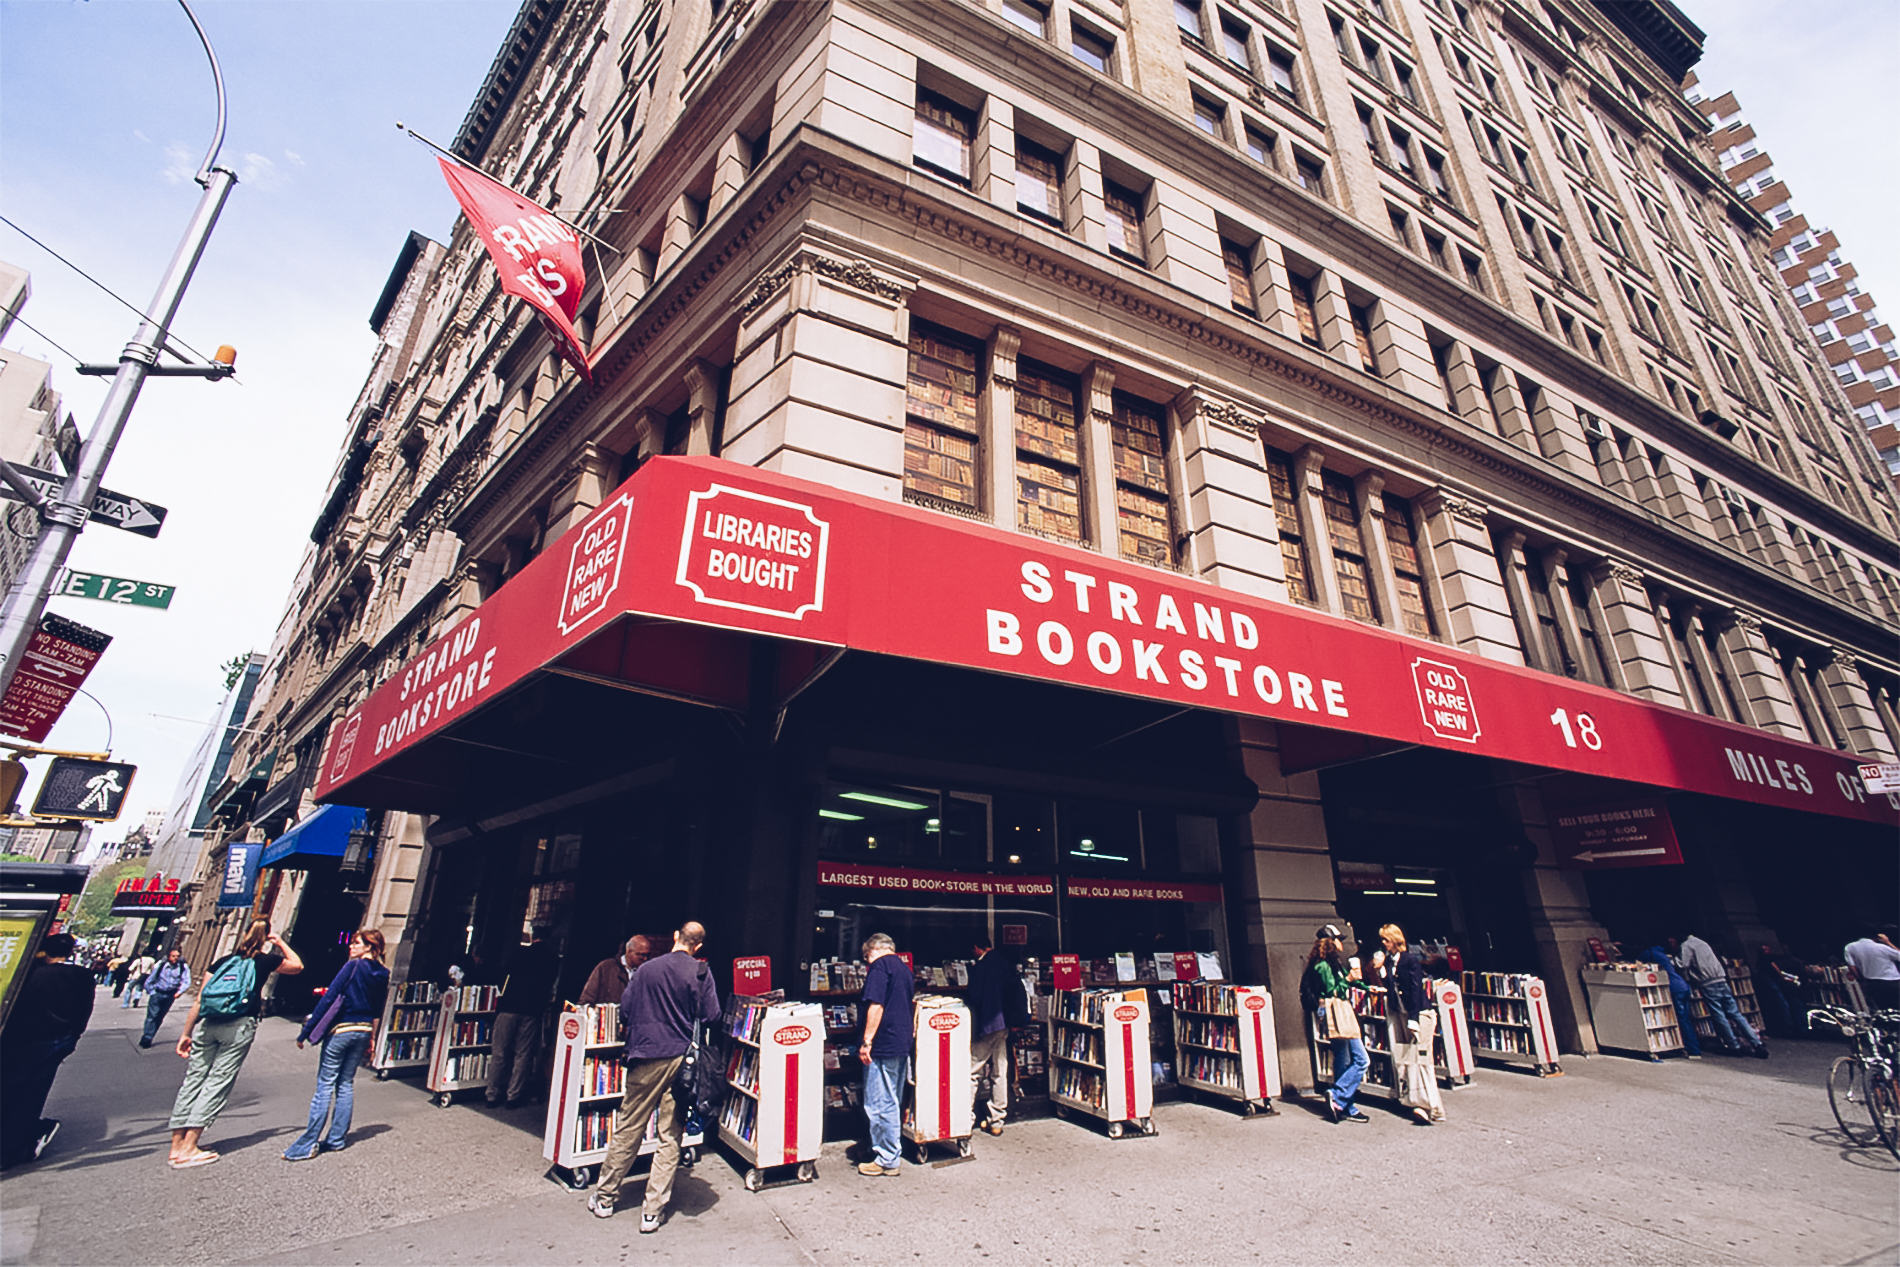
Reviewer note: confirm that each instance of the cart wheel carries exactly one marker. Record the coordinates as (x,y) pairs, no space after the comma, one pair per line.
(807,1171)
(1148,1126)
(966,1147)
(754,1180)
(1247,1108)
(1062,1111)
(689,1156)
(1114,1130)
(441,1100)
(382,1075)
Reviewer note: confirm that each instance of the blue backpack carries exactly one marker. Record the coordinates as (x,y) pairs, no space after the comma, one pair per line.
(227,990)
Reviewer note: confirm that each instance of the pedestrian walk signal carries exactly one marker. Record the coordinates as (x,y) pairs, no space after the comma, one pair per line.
(77,788)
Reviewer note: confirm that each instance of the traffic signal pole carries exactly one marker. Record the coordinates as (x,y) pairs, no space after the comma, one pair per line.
(62,517)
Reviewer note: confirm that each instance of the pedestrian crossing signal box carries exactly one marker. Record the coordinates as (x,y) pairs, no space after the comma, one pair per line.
(75,787)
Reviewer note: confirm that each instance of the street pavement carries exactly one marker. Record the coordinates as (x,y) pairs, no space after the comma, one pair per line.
(1621,1161)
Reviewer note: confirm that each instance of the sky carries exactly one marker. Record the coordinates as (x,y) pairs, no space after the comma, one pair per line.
(106,109)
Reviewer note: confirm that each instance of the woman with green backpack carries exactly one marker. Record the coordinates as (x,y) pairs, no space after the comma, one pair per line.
(218,1035)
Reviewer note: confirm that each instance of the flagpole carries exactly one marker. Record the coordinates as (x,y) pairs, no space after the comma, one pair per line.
(462,162)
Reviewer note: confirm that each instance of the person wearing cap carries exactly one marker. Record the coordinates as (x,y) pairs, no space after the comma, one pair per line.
(1329,976)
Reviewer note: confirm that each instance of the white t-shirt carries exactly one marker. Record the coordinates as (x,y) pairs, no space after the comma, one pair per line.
(1872,960)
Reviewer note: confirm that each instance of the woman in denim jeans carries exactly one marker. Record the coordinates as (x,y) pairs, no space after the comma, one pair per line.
(345,1022)
(1331,977)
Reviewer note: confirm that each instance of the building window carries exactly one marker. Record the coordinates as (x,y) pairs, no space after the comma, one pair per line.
(1362,336)
(1207,115)
(1310,173)
(940,141)
(1402,544)
(1187,16)
(1038,182)
(1028,15)
(1299,577)
(1239,277)
(1092,50)
(1436,179)
(1300,290)
(1408,83)
(1141,482)
(1259,146)
(1048,453)
(1123,221)
(1435,248)
(1474,271)
(1401,225)
(1233,42)
(1401,150)
(940,431)
(1280,74)
(1349,556)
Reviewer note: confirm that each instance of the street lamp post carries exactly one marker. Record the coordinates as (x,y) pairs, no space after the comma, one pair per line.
(62,517)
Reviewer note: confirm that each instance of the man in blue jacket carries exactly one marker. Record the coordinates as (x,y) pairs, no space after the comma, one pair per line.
(662,1000)
(996,1003)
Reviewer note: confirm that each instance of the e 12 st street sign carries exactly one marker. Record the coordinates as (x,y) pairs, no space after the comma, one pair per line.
(114,589)
(108,507)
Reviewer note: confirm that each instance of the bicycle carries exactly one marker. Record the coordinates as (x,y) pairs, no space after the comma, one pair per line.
(1862,1087)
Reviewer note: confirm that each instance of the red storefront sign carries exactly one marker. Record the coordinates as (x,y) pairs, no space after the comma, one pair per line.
(57,659)
(1622,834)
(891,579)
(850,875)
(752,975)
(1144,890)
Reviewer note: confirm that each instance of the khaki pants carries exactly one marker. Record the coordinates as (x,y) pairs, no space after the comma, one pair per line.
(1414,1066)
(991,1052)
(649,1083)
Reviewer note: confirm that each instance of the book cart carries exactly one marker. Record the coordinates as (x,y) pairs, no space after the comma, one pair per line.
(407,1035)
(1224,1043)
(1099,1058)
(1453,1057)
(1510,1020)
(1832,985)
(773,1116)
(1631,1008)
(584,1097)
(1741,983)
(939,1108)
(464,1030)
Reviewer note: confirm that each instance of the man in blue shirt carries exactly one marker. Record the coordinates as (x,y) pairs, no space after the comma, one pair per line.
(163,987)
(888,987)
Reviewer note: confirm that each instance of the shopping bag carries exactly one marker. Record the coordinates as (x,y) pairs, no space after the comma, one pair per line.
(1337,1019)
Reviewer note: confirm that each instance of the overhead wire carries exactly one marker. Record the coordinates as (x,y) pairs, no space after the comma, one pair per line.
(122,301)
(13,314)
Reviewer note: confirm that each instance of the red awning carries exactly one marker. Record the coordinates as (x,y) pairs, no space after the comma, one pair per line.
(664,588)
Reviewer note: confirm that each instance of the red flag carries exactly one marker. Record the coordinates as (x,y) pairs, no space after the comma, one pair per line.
(538,257)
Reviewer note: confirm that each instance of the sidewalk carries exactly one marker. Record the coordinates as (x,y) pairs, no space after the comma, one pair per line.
(1717,1161)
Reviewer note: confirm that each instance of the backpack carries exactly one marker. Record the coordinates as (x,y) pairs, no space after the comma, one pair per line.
(1311,988)
(228,988)
(697,1084)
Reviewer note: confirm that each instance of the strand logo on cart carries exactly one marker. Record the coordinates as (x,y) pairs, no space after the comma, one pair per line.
(791,1035)
(754,553)
(593,565)
(1254,1002)
(943,1022)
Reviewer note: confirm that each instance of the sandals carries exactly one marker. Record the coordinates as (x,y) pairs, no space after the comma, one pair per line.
(192,1162)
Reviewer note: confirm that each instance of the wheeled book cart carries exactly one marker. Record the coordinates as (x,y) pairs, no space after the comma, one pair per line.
(1452,1055)
(1098,1058)
(407,1035)
(464,1031)
(941,1109)
(1631,1008)
(1510,1020)
(1224,1043)
(584,1097)
(774,1111)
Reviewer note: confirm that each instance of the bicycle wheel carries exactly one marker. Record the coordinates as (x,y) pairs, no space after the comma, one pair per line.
(1847,1096)
(1883,1102)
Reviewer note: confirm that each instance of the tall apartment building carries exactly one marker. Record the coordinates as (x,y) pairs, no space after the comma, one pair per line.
(1121,477)
(34,427)
(1858,345)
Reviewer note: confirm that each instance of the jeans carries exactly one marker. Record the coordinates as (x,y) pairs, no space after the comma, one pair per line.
(155,1009)
(883,1100)
(1727,1015)
(1349,1070)
(1691,1043)
(649,1087)
(218,1050)
(336,1093)
(30,1069)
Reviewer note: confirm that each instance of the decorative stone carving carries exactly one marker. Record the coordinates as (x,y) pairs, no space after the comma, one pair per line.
(1623,572)
(1746,621)
(854,273)
(1226,414)
(1464,508)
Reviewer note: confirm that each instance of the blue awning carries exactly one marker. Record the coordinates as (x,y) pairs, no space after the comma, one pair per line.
(325,834)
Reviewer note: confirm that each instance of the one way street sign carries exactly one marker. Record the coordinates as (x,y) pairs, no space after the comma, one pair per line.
(108,507)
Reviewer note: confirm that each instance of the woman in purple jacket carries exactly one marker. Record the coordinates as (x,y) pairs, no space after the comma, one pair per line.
(345,1022)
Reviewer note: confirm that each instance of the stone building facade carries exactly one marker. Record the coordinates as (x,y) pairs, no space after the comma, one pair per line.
(1431,317)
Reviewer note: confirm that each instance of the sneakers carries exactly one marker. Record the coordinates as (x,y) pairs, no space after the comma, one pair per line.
(1761,1051)
(649,1223)
(993,1128)
(873,1169)
(49,1127)
(1332,1110)
(1423,1115)
(602,1208)
(145,1042)
(1355,1116)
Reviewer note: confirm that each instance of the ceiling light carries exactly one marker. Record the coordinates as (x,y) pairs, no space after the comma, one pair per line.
(871,799)
(840,814)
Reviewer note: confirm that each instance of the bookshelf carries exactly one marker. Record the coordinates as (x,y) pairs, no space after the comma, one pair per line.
(1099,1058)
(588,1082)
(1510,1020)
(1452,1053)
(407,1035)
(464,1028)
(844,1082)
(1224,1043)
(1741,983)
(939,1108)
(1832,985)
(1631,1009)
(773,1114)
